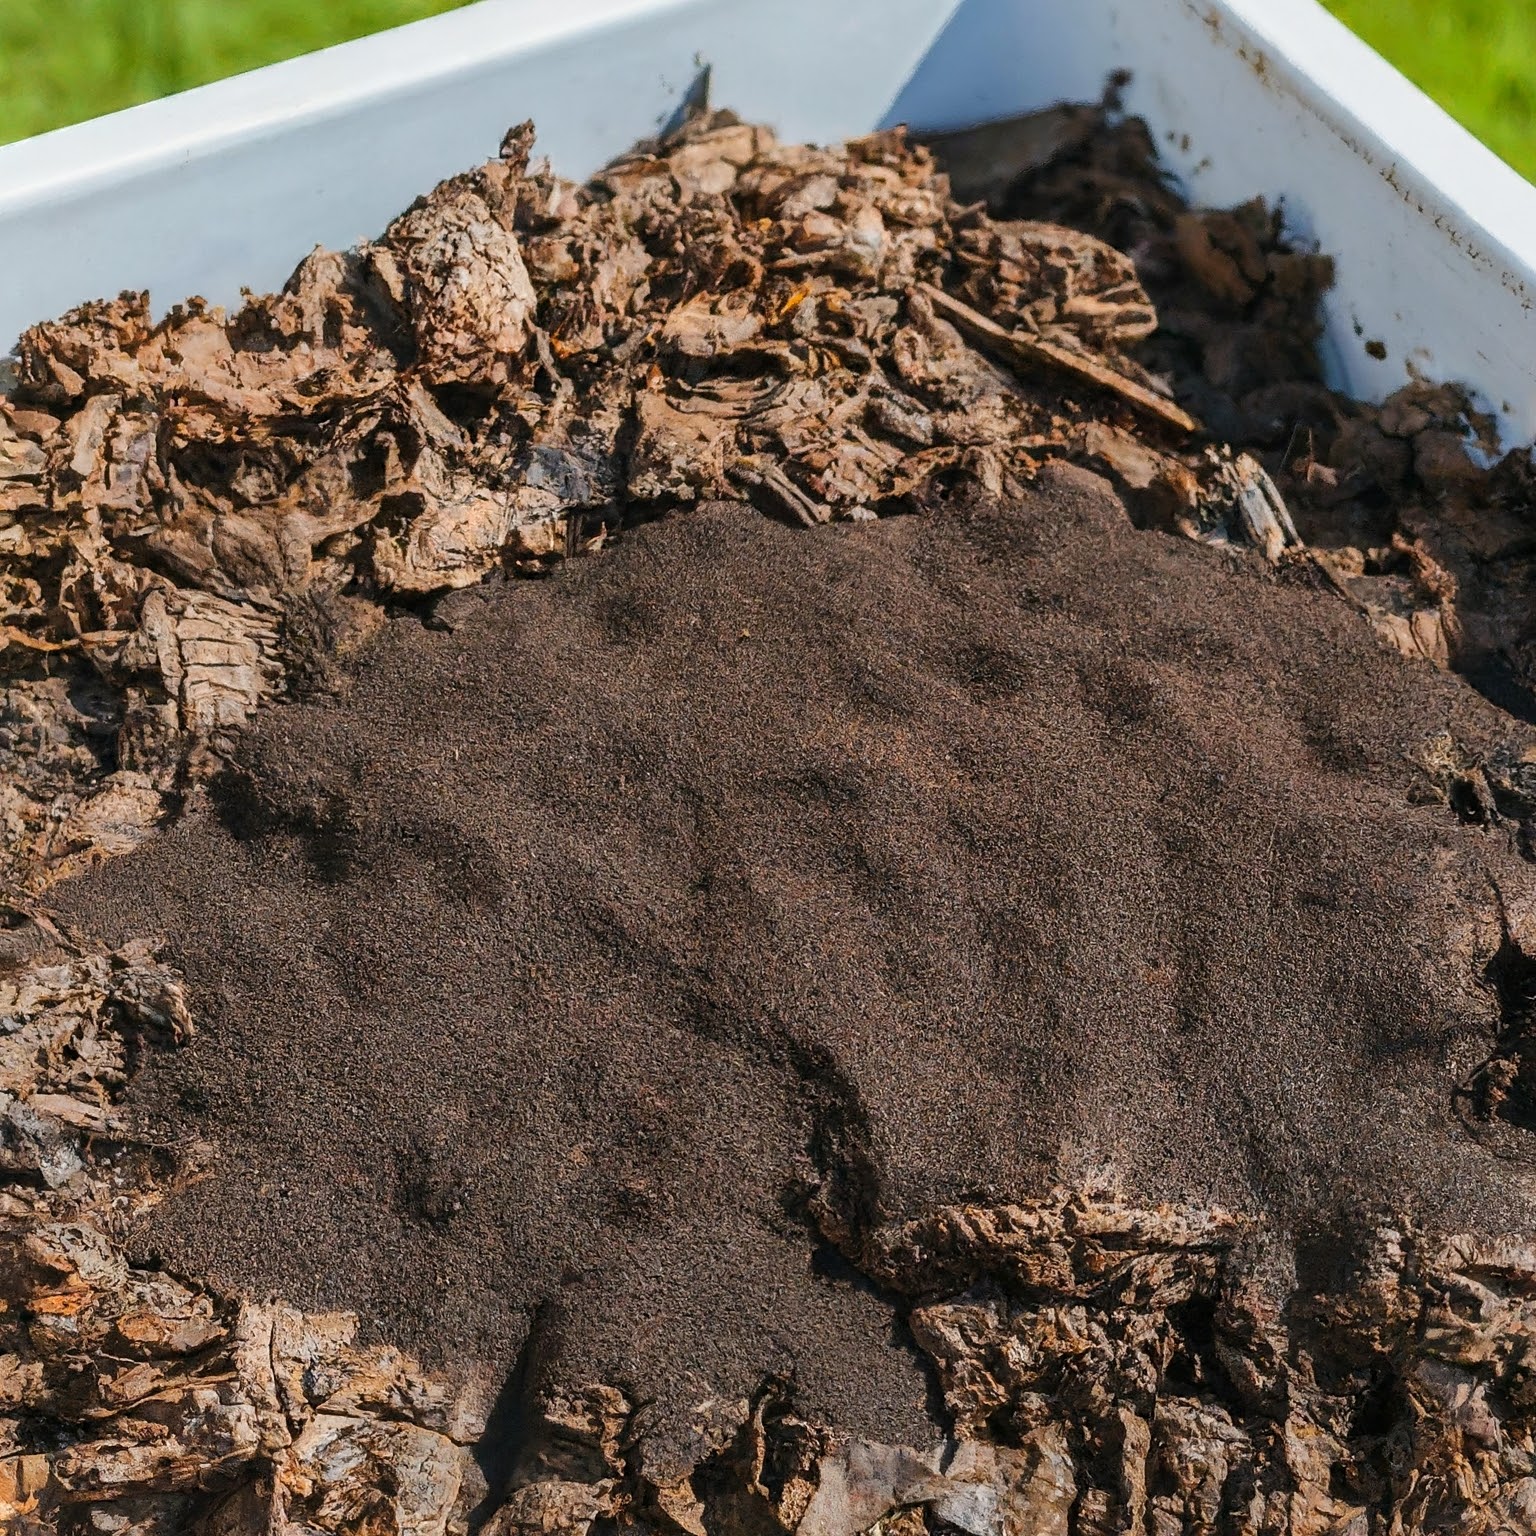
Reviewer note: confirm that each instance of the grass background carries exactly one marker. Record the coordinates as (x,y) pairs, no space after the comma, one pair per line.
(62,60)
(1477,58)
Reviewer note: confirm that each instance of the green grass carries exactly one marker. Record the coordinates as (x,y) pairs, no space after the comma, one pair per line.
(62,60)
(1477,58)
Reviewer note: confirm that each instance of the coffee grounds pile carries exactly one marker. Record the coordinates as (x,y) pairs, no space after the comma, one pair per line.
(614,931)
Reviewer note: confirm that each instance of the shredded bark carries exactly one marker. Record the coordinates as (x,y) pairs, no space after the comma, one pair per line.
(1202,1211)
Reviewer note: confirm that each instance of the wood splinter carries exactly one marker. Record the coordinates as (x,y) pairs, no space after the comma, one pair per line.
(1036,352)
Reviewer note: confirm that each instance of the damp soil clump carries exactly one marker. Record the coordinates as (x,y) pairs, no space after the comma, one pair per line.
(618,943)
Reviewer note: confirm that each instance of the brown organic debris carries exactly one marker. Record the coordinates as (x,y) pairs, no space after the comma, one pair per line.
(514,359)
(1040,352)
(203,515)
(123,1389)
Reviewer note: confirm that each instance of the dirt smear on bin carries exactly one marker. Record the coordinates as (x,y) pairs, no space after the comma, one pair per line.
(959,962)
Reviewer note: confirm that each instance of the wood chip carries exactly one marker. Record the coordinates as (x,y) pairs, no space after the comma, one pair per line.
(1035,352)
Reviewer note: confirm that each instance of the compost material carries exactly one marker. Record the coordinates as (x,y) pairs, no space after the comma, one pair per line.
(949,981)
(203,513)
(623,940)
(897,866)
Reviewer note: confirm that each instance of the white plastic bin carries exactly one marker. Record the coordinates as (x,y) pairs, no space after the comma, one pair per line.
(228,186)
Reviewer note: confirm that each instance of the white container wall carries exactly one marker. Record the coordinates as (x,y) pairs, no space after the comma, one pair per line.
(229,186)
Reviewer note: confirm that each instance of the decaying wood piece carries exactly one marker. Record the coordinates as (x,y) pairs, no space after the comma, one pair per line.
(1037,351)
(1216,497)
(1243,482)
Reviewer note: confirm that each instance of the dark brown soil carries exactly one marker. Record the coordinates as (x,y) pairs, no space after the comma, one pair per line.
(552,971)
